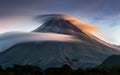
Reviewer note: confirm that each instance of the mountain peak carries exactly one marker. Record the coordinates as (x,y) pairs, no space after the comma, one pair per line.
(60,23)
(58,26)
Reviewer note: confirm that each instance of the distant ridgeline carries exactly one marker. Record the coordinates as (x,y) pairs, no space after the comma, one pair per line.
(113,60)
(63,70)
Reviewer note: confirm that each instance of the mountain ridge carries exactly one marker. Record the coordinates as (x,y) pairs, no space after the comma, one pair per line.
(112,61)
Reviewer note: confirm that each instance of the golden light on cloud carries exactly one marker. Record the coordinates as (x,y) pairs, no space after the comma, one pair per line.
(82,25)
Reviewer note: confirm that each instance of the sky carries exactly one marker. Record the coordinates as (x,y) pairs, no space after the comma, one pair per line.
(17,15)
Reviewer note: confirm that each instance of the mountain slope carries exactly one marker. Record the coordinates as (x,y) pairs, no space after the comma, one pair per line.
(89,52)
(113,60)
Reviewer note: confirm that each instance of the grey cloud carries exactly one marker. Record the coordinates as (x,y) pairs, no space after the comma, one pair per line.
(93,10)
(7,40)
(52,6)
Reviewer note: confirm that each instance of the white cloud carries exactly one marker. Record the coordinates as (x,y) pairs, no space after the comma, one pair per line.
(9,39)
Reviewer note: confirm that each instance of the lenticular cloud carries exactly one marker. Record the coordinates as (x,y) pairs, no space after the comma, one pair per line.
(9,39)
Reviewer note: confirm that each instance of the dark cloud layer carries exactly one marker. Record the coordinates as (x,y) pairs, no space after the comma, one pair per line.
(83,7)
(92,10)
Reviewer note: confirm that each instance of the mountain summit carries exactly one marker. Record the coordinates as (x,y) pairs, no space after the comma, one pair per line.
(88,51)
(58,26)
(63,24)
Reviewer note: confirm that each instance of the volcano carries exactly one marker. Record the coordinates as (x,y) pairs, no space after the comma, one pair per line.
(86,51)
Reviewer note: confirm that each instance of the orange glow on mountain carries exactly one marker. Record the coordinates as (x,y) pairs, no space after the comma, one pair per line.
(82,25)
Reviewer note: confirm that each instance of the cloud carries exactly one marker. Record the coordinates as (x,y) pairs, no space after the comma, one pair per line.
(82,7)
(7,40)
(88,9)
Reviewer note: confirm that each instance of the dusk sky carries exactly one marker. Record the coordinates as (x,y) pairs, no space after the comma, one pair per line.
(18,15)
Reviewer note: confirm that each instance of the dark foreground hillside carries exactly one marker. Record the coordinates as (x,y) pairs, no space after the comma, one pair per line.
(64,70)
